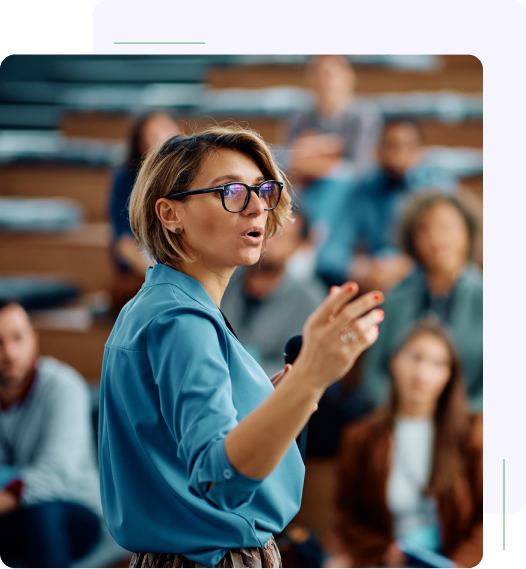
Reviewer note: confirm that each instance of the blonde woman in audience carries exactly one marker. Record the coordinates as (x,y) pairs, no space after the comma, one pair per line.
(410,474)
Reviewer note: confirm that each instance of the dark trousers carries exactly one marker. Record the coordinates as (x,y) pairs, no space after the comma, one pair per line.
(47,535)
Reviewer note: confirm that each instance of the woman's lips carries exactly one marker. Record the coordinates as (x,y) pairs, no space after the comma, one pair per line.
(253,239)
(254,235)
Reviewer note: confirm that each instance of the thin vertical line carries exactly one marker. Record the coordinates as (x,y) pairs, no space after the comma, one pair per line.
(503,503)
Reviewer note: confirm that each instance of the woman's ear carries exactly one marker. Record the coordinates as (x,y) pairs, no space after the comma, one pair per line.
(168,212)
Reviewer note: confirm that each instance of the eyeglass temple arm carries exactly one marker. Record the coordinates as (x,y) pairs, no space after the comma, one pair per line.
(195,192)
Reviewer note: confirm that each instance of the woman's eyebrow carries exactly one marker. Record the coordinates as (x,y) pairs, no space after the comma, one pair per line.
(233,178)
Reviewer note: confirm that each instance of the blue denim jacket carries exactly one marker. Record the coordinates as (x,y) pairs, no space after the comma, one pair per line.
(174,382)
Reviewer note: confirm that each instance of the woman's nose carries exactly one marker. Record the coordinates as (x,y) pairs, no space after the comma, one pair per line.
(255,205)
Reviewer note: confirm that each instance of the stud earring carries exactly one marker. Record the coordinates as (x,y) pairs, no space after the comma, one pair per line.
(178,230)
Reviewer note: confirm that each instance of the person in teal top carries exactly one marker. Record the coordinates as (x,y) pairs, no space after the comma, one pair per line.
(198,462)
(438,232)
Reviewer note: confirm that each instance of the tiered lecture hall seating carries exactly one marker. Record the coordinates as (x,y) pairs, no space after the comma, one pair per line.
(80,256)
(449,105)
(93,97)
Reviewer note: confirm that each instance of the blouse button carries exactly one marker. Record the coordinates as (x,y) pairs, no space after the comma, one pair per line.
(227,473)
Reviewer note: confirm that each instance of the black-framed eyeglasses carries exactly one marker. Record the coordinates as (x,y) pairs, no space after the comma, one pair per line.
(236,195)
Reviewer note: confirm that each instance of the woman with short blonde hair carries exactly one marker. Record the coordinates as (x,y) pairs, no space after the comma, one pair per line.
(177,166)
(198,461)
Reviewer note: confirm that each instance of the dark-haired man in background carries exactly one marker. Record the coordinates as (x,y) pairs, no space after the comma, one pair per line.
(50,510)
(368,221)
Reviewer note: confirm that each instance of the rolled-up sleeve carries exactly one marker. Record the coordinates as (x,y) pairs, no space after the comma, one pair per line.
(188,357)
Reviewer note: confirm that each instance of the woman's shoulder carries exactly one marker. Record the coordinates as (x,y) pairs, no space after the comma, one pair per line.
(161,313)
(404,292)
(172,307)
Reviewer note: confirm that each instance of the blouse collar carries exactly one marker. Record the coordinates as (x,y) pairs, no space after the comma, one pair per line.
(163,274)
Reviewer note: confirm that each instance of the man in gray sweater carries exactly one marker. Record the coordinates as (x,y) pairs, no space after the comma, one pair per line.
(50,512)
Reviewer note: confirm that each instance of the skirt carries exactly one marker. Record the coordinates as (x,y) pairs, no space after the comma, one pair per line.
(266,556)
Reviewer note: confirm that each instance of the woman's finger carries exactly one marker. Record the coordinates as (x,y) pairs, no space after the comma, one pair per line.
(365,328)
(359,307)
(337,298)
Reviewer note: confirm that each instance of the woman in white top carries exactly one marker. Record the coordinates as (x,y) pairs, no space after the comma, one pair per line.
(409,476)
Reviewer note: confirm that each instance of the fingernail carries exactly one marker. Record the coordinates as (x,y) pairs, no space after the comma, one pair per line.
(350,287)
(375,328)
(380,312)
(377,296)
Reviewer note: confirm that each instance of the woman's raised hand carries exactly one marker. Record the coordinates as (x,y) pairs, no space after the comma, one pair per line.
(338,332)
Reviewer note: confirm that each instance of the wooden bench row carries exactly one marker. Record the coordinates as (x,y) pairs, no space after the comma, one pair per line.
(117,127)
(90,187)
(81,349)
(460,73)
(81,256)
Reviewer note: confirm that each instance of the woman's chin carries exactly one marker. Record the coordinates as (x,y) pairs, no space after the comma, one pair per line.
(249,257)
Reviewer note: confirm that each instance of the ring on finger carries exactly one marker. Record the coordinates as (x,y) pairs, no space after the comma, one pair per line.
(349,336)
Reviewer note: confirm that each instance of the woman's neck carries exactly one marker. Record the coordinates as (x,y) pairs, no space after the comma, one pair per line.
(441,281)
(415,410)
(214,279)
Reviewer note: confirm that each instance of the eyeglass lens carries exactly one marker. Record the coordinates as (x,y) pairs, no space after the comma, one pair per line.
(236,194)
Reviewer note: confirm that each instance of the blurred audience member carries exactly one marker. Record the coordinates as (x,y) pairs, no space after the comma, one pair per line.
(438,233)
(50,510)
(368,220)
(331,141)
(129,260)
(265,304)
(336,127)
(410,474)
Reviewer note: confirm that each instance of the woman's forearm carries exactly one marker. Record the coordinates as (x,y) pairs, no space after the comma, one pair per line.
(258,443)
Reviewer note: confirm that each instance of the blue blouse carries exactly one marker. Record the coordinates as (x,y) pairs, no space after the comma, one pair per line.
(174,382)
